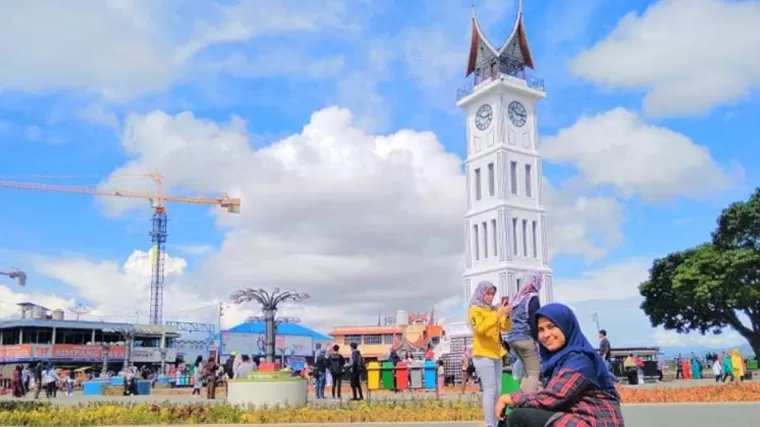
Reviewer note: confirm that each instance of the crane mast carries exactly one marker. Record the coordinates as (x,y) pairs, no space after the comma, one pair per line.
(158,233)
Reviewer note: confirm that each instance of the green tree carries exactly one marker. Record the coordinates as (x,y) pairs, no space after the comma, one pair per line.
(715,285)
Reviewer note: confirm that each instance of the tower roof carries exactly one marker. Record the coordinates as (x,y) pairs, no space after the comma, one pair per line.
(515,48)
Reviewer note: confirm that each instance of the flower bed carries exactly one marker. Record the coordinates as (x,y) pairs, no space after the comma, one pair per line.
(22,413)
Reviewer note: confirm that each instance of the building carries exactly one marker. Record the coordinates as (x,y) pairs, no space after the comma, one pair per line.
(44,335)
(404,333)
(291,340)
(505,222)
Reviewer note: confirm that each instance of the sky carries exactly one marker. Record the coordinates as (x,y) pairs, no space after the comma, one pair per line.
(335,123)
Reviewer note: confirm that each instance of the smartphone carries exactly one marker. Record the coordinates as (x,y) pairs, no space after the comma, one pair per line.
(504,300)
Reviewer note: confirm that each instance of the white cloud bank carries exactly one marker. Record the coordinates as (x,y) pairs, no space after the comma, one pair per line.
(688,55)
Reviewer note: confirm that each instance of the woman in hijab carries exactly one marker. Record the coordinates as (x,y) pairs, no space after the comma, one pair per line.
(521,338)
(488,322)
(579,389)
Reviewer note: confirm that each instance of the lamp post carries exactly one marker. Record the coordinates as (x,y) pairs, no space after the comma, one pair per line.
(163,351)
(129,335)
(269,302)
(595,318)
(277,322)
(106,349)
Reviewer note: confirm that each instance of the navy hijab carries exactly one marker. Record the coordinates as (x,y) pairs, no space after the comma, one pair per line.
(590,364)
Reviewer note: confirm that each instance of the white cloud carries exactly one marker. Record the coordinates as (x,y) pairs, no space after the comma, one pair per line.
(122,49)
(617,149)
(689,55)
(99,115)
(615,281)
(587,226)
(363,222)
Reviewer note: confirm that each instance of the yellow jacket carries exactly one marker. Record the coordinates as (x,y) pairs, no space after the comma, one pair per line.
(486,332)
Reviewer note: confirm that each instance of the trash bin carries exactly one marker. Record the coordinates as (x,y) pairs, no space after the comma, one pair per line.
(508,383)
(93,388)
(373,375)
(402,375)
(386,375)
(430,377)
(143,387)
(751,365)
(415,374)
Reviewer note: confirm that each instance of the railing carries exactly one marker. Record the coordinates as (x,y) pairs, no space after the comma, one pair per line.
(499,71)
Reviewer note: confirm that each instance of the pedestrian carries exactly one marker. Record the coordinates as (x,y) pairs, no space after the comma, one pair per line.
(209,373)
(488,322)
(521,338)
(337,365)
(320,374)
(356,371)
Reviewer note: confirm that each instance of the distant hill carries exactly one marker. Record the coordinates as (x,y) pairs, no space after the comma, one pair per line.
(700,351)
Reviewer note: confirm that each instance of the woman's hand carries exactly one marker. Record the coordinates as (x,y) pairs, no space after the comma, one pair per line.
(503,402)
(504,310)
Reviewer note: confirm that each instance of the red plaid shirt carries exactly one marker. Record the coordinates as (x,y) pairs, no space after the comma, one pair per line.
(576,400)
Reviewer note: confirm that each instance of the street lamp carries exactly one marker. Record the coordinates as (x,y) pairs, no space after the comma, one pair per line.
(106,349)
(163,351)
(129,335)
(269,302)
(595,318)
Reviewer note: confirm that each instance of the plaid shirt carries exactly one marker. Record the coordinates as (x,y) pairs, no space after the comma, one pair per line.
(576,400)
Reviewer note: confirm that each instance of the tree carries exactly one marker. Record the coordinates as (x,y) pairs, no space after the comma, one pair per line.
(713,286)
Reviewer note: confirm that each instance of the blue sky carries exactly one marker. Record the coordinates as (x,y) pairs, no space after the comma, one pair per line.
(83,97)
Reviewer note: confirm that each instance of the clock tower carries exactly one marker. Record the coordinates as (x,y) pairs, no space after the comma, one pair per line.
(505,223)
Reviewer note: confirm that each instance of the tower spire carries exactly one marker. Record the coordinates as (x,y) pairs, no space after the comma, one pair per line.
(512,57)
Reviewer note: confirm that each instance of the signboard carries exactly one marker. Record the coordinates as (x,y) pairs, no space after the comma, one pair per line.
(253,344)
(80,353)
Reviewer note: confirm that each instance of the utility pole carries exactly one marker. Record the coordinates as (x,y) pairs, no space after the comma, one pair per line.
(595,318)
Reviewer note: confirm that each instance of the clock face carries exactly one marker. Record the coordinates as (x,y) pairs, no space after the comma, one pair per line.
(483,117)
(517,113)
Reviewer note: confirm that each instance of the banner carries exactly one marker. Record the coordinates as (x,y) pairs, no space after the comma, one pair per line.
(80,353)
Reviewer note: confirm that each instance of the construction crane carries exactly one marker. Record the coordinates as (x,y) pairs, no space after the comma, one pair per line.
(19,275)
(159,221)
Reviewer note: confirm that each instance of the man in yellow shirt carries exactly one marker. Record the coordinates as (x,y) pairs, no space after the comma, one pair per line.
(487,323)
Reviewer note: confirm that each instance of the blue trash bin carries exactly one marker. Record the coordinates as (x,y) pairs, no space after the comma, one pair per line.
(93,388)
(143,387)
(430,377)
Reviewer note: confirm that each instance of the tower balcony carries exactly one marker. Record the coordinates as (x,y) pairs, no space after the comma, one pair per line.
(515,75)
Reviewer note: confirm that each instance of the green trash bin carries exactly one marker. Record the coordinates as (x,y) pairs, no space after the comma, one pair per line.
(752,365)
(386,375)
(508,383)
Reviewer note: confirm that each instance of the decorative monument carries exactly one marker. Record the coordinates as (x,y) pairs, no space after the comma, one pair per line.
(505,222)
(267,386)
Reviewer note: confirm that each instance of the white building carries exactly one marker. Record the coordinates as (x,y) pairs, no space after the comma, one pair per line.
(505,223)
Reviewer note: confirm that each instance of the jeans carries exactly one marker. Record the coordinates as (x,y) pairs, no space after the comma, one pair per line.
(489,372)
(527,351)
(337,384)
(320,386)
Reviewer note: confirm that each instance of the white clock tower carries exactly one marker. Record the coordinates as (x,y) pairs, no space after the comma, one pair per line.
(505,223)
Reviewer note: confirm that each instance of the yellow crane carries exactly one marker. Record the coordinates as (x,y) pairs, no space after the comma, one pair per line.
(159,221)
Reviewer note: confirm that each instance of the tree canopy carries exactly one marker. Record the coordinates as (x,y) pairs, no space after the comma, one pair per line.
(715,285)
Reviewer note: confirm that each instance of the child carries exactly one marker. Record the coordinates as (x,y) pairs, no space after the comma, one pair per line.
(441,377)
